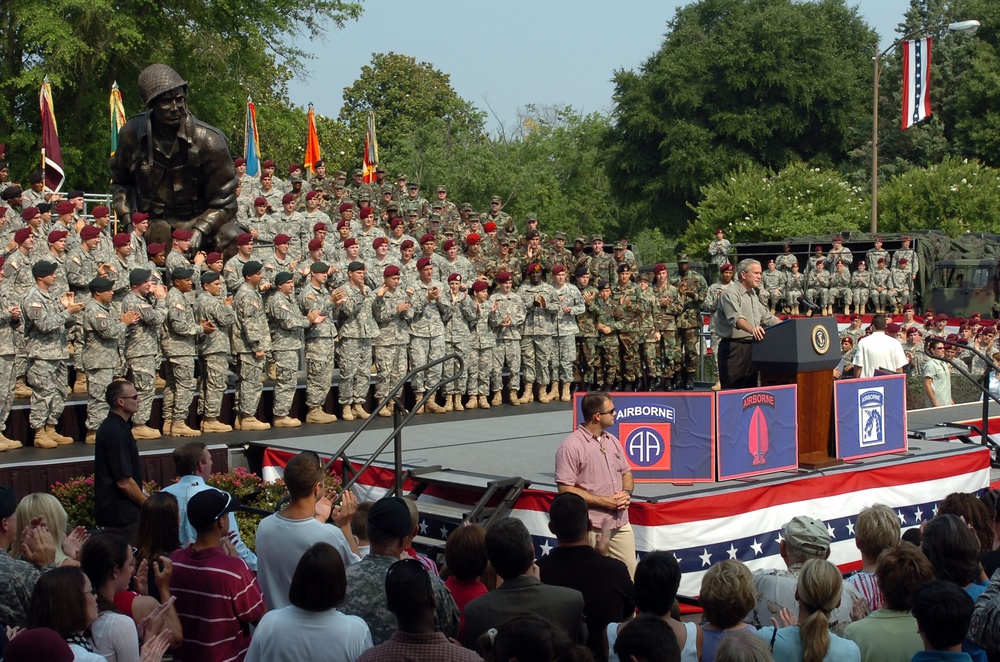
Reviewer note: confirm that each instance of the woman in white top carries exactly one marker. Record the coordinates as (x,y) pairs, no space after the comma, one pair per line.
(64,600)
(311,627)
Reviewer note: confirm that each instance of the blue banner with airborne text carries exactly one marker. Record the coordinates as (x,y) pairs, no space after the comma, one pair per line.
(871,416)
(760,431)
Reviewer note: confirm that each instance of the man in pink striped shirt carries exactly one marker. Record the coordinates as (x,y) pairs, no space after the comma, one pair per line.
(218,597)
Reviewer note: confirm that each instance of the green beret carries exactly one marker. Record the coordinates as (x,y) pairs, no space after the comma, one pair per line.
(101,284)
(252,268)
(210,277)
(319,267)
(282,277)
(356,266)
(181,273)
(139,276)
(43,268)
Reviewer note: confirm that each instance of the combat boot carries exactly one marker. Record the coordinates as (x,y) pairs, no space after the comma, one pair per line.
(160,382)
(348,413)
(8,443)
(212,425)
(543,394)
(433,406)
(565,397)
(458,402)
(42,439)
(167,423)
(386,411)
(484,403)
(317,415)
(529,394)
(449,401)
(287,422)
(496,402)
(80,383)
(360,411)
(251,423)
(61,439)
(181,429)
(417,397)
(21,389)
(514,400)
(472,402)
(145,432)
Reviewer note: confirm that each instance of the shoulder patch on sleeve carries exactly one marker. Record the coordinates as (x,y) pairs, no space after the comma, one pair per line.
(284,306)
(311,296)
(178,306)
(144,305)
(76,258)
(102,316)
(36,304)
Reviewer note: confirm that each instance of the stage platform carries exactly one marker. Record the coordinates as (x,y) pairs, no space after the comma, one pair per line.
(702,523)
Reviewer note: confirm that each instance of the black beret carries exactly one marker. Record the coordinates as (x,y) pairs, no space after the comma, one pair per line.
(43,268)
(101,284)
(282,277)
(139,276)
(390,515)
(251,268)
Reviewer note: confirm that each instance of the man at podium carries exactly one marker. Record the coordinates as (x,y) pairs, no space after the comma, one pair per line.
(739,320)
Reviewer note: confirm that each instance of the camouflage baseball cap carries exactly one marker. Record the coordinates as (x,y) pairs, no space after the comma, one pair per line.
(596,237)
(441,189)
(683,257)
(621,246)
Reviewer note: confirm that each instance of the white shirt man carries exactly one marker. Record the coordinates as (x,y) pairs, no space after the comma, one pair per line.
(878,351)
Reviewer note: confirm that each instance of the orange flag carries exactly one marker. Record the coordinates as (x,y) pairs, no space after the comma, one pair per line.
(312,143)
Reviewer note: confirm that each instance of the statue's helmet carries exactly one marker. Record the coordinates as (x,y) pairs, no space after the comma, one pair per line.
(157,79)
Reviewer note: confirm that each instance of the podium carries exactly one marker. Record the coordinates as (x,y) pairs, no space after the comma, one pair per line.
(804,351)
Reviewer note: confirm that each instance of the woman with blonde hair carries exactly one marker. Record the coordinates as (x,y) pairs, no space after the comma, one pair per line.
(727,596)
(46,506)
(818,593)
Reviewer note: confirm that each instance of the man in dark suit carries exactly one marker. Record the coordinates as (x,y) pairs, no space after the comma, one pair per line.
(509,549)
(603,581)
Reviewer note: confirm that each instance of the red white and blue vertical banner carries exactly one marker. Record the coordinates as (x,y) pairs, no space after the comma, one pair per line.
(870,416)
(916,81)
(251,140)
(666,437)
(760,434)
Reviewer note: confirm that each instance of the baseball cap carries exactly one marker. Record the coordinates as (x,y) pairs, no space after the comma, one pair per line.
(209,506)
(390,515)
(808,535)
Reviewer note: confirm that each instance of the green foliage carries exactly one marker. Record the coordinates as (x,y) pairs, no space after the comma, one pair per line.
(737,83)
(225,50)
(755,204)
(956,196)
(77,498)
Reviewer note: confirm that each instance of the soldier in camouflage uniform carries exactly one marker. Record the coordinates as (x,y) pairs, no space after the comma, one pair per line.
(602,265)
(571,305)
(841,252)
(880,284)
(504,261)
(586,340)
(449,211)
(232,273)
(626,294)
(507,314)
(214,350)
(537,346)
(46,320)
(786,259)
(649,337)
(504,222)
(818,287)
(142,345)
(908,254)
(876,253)
(900,280)
(392,311)
(708,307)
(180,348)
(691,287)
(719,249)
(251,341)
(431,309)
(840,287)
(10,320)
(668,307)
(357,330)
(772,287)
(103,335)
(457,337)
(17,281)
(610,317)
(321,340)
(287,325)
(482,345)
(861,281)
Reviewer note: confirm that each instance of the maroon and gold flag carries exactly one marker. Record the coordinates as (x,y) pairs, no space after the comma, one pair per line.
(52,163)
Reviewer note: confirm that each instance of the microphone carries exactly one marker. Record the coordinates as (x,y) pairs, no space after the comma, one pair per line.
(808,303)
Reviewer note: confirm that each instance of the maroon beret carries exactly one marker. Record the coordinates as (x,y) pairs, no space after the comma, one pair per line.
(64,207)
(311,194)
(427,237)
(503,276)
(391,270)
(288,197)
(211,258)
(345,207)
(407,243)
(315,244)
(448,245)
(100,211)
(244,239)
(350,241)
(423,262)
(395,223)
(379,241)
(260,201)
(479,286)
(365,212)
(180,234)
(558,269)
(119,240)
(320,227)
(267,164)
(88,232)
(473,239)
(281,239)
(239,161)
(139,217)
(29,213)
(22,235)
(454,277)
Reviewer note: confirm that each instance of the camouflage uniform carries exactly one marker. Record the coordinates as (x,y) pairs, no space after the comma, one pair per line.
(692,289)
(566,330)
(45,322)
(175,260)
(879,289)
(844,254)
(818,287)
(482,345)
(249,335)
(366,598)
(427,333)
(103,335)
(708,307)
(287,324)
(602,267)
(628,298)
(232,273)
(8,330)
(586,337)
(874,256)
(536,333)
(899,287)
(719,249)
(393,338)
(668,307)
(214,350)
(772,288)
(457,337)
(840,287)
(785,261)
(610,314)
(17,582)
(508,349)
(142,349)
(795,284)
(357,330)
(180,348)
(81,268)
(910,255)
(648,338)
(17,280)
(320,344)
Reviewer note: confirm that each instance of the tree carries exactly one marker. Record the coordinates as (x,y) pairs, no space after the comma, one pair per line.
(225,50)
(737,83)
(405,95)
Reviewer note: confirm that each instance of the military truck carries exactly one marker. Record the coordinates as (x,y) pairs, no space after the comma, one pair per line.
(956,277)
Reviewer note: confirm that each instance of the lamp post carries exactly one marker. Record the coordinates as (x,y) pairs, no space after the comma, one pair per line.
(959,26)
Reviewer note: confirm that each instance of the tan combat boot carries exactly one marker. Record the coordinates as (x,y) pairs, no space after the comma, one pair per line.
(471,403)
(145,432)
(80,383)
(160,382)
(213,425)
(42,439)
(287,422)
(543,394)
(484,403)
(496,402)
(251,423)
(416,398)
(458,402)
(8,443)
(317,415)
(181,429)
(360,411)
(386,411)
(347,414)
(553,391)
(514,400)
(61,439)
(528,395)
(566,396)
(21,389)
(91,438)
(449,402)
(167,424)
(434,407)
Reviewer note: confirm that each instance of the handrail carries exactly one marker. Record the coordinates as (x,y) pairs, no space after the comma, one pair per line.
(984,435)
(399,422)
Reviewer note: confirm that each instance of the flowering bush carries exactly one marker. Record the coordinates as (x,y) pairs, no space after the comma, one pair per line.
(77,496)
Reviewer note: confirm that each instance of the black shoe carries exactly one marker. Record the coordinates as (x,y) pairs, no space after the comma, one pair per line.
(688,383)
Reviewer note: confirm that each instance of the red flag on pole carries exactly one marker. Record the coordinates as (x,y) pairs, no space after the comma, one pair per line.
(312,143)
(52,163)
(370,160)
(916,81)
